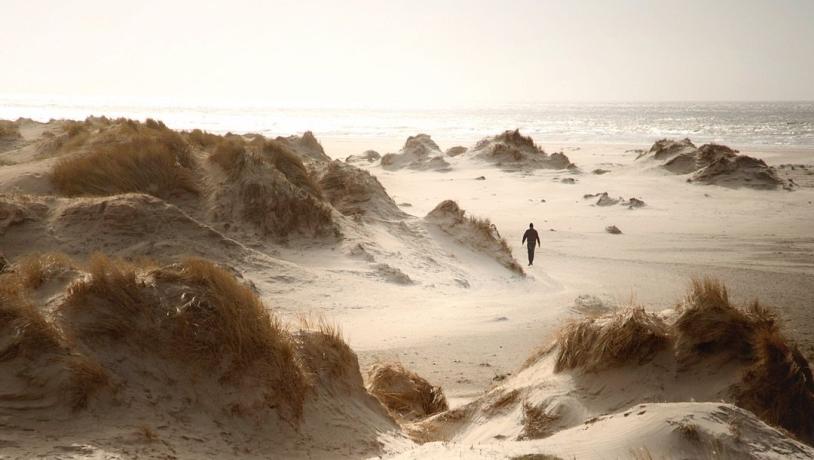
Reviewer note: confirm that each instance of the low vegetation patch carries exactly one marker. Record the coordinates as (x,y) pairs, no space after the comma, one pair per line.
(9,131)
(35,358)
(202,139)
(406,394)
(269,186)
(127,157)
(708,323)
(777,384)
(630,336)
(230,155)
(779,387)
(36,269)
(193,313)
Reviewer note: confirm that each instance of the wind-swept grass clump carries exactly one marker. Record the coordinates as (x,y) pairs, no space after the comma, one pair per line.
(777,383)
(9,131)
(226,317)
(128,157)
(37,354)
(192,313)
(779,387)
(24,329)
(270,187)
(36,269)
(202,139)
(709,324)
(229,154)
(630,336)
(287,162)
(405,393)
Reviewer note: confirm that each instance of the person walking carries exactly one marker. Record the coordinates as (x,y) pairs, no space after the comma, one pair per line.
(533,240)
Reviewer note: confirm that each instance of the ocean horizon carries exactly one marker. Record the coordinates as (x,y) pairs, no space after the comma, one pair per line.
(785,124)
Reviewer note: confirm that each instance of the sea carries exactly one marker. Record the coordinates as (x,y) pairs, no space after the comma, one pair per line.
(351,130)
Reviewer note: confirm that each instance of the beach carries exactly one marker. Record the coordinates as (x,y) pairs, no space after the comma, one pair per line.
(402,258)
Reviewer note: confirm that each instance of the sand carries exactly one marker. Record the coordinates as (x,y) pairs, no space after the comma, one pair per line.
(463,321)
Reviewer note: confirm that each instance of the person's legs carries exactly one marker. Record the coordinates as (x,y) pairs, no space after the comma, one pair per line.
(531,254)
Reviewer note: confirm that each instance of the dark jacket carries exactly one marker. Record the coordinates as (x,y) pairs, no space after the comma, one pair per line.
(532,236)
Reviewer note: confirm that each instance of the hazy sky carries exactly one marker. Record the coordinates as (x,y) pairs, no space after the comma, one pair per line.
(408,53)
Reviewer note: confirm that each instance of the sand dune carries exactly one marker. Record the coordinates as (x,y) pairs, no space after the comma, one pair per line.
(171,351)
(714,164)
(419,152)
(148,352)
(705,350)
(512,150)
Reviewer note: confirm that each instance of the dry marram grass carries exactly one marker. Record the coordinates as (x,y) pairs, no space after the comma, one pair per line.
(630,336)
(193,313)
(709,324)
(405,393)
(9,130)
(128,157)
(36,269)
(777,386)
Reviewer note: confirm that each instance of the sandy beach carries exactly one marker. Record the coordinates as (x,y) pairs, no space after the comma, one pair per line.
(365,264)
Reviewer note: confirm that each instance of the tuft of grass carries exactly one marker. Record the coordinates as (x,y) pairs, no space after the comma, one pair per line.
(325,352)
(286,161)
(128,157)
(405,393)
(193,313)
(9,130)
(229,154)
(628,336)
(29,335)
(688,431)
(87,378)
(709,324)
(36,269)
(113,297)
(779,387)
(27,330)
(202,139)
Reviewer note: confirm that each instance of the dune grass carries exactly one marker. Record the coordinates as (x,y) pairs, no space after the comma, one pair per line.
(192,313)
(87,378)
(708,323)
(406,394)
(229,154)
(630,336)
(128,157)
(287,162)
(9,130)
(28,331)
(777,385)
(36,269)
(202,139)
(29,336)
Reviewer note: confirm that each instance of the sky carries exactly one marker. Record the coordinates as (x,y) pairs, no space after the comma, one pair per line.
(412,53)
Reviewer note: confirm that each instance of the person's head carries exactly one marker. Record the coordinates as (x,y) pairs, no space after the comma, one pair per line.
(531,225)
